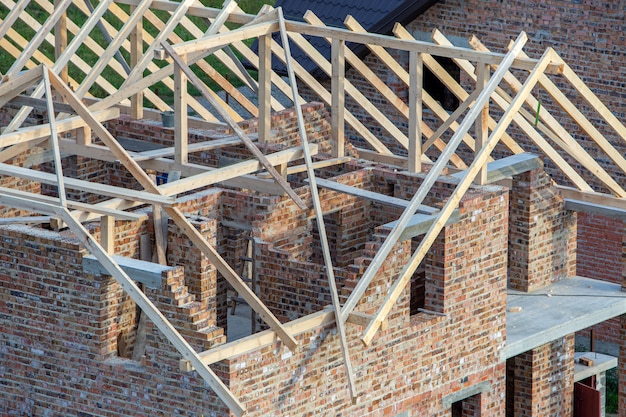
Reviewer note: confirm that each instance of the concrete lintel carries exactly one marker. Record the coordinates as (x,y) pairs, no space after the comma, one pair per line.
(585,207)
(601,363)
(464,393)
(420,224)
(508,167)
(147,273)
(558,310)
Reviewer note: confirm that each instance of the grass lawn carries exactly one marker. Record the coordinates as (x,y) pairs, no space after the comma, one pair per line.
(40,14)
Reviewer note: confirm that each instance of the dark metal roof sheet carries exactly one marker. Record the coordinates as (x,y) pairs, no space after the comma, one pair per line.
(374,15)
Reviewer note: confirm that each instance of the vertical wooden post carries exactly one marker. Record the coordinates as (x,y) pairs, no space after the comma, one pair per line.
(107,234)
(136,51)
(265,87)
(482,121)
(180,114)
(83,135)
(60,40)
(416,76)
(338,97)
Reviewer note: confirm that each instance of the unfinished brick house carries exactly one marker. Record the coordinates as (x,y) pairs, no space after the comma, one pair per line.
(437,276)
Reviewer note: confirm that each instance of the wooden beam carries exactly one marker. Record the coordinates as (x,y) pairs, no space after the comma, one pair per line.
(430,179)
(267,337)
(420,224)
(107,234)
(591,197)
(134,24)
(31,133)
(416,77)
(414,45)
(12,87)
(319,213)
(482,122)
(371,196)
(181,134)
(194,147)
(82,185)
(265,88)
(233,125)
(337,108)
(231,171)
(222,39)
(453,201)
(40,104)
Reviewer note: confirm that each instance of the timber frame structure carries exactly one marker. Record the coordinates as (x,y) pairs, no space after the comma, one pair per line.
(509,89)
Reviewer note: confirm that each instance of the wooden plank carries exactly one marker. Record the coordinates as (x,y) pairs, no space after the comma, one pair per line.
(238,131)
(457,89)
(416,77)
(265,87)
(222,39)
(194,147)
(593,100)
(319,213)
(25,220)
(133,27)
(12,87)
(14,13)
(181,135)
(372,196)
(337,108)
(60,39)
(414,45)
(107,234)
(316,165)
(267,337)
(33,133)
(482,122)
(479,161)
(178,217)
(430,179)
(153,313)
(36,103)
(60,64)
(54,140)
(82,185)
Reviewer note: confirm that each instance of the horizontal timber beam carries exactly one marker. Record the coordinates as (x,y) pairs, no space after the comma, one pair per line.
(267,337)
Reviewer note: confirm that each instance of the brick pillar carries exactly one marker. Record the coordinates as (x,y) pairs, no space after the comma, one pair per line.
(623,257)
(543,383)
(542,235)
(621,366)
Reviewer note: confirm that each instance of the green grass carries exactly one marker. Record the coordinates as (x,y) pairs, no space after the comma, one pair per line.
(611,390)
(74,14)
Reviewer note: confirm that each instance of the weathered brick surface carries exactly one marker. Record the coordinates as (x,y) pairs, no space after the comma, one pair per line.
(542,380)
(542,238)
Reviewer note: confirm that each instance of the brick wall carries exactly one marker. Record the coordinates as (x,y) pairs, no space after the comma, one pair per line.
(542,380)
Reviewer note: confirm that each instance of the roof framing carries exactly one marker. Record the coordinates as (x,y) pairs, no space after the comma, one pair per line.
(74,108)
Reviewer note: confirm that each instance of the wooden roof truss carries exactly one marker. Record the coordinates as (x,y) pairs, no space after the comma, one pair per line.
(37,80)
